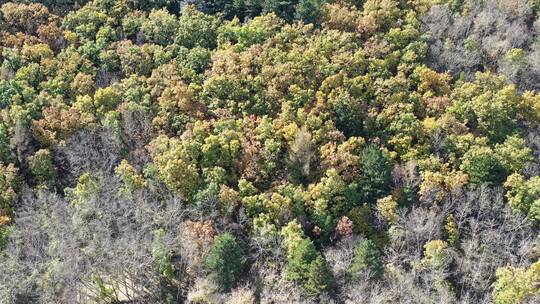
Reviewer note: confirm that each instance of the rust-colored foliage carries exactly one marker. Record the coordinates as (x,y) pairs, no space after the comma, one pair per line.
(56,124)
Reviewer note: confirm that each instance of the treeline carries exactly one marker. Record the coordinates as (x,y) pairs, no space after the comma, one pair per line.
(372,151)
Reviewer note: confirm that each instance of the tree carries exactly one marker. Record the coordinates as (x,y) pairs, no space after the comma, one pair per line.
(5,149)
(4,233)
(252,32)
(160,27)
(524,195)
(376,175)
(451,229)
(299,259)
(343,158)
(86,21)
(42,167)
(175,167)
(489,105)
(197,29)
(309,11)
(482,167)
(306,266)
(82,84)
(196,59)
(222,148)
(387,207)
(435,254)
(516,285)
(106,99)
(344,227)
(367,258)
(56,124)
(330,199)
(301,154)
(86,188)
(513,154)
(8,185)
(134,59)
(225,261)
(129,175)
(348,114)
(319,277)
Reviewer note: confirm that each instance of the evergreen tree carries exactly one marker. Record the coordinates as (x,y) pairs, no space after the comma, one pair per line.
(367,258)
(225,261)
(375,173)
(306,266)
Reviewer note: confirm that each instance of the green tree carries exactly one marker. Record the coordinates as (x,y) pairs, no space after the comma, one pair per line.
(196,59)
(5,150)
(160,27)
(482,166)
(86,21)
(197,29)
(299,259)
(524,195)
(319,277)
(134,59)
(451,230)
(347,112)
(162,255)
(376,171)
(489,105)
(225,261)
(513,154)
(330,199)
(306,266)
(367,257)
(4,234)
(309,11)
(86,188)
(42,167)
(130,177)
(106,99)
(132,22)
(175,166)
(255,31)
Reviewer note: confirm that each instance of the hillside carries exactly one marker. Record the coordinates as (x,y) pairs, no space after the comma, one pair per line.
(241,151)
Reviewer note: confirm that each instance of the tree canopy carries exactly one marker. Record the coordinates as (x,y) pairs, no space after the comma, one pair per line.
(270,151)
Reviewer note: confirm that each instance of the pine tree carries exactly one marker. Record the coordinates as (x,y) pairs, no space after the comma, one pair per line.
(225,261)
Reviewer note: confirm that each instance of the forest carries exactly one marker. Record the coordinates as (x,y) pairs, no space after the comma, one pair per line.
(272,151)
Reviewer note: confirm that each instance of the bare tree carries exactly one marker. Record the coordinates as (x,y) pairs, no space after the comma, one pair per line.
(482,38)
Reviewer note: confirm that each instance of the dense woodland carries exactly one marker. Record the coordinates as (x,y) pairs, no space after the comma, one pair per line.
(275,151)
